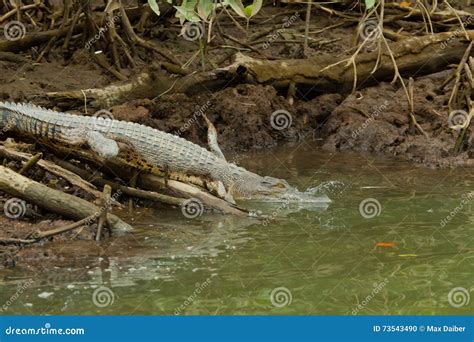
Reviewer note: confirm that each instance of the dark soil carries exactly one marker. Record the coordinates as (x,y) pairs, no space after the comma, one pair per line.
(375,120)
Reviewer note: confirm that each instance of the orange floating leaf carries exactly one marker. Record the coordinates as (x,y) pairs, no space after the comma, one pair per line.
(385,244)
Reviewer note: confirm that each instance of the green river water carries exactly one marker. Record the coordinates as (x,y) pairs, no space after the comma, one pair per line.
(414,256)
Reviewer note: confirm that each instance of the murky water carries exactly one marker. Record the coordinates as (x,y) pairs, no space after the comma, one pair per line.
(397,255)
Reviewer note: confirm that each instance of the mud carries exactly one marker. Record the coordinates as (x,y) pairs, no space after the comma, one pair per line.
(375,121)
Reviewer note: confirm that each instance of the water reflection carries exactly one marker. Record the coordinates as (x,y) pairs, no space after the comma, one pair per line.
(329,258)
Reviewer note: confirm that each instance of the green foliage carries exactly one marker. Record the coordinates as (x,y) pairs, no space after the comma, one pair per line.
(369,4)
(154,6)
(201,10)
(186,11)
(253,8)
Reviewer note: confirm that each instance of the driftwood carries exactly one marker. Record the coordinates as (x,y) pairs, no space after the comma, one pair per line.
(57,170)
(411,55)
(35,39)
(414,57)
(53,200)
(55,231)
(145,85)
(132,192)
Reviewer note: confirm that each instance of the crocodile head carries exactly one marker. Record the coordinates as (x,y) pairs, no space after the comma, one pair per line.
(272,187)
(278,190)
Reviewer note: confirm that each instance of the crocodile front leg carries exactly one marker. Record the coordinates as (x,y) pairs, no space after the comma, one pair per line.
(212,138)
(98,143)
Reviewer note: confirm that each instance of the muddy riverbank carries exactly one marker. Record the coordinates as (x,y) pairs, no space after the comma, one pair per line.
(372,121)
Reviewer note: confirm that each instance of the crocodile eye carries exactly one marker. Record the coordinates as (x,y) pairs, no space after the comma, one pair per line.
(280,185)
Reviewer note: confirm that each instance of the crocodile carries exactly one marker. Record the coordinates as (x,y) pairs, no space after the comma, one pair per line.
(143,147)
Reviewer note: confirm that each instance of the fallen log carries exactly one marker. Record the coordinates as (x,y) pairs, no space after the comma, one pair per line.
(144,85)
(411,56)
(132,192)
(53,200)
(53,168)
(36,38)
(322,74)
(151,181)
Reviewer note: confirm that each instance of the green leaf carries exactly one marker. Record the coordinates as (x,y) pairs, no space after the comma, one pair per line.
(248,11)
(253,8)
(204,8)
(186,11)
(237,6)
(257,5)
(369,4)
(154,6)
